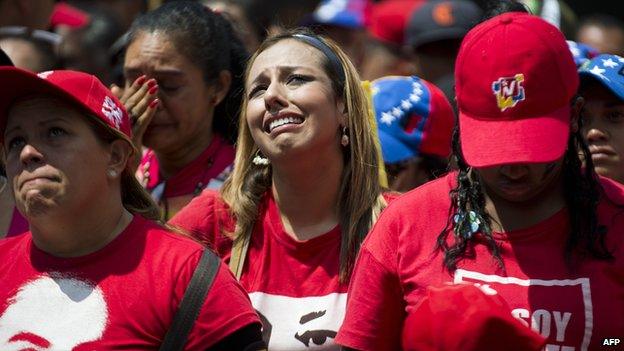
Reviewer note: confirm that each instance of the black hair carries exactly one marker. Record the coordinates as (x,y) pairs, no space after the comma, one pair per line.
(582,194)
(498,7)
(4,59)
(48,59)
(208,40)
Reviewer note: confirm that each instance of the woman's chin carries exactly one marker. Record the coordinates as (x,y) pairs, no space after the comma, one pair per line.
(36,205)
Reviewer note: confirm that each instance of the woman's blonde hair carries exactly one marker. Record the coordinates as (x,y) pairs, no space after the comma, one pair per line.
(360,199)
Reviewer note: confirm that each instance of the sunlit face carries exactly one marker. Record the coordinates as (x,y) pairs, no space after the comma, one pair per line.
(187,101)
(292,109)
(605,40)
(520,183)
(54,160)
(603,130)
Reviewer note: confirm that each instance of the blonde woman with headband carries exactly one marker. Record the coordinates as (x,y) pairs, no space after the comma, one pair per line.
(304,192)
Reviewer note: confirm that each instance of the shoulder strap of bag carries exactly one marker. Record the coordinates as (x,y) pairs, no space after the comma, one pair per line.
(239,253)
(192,301)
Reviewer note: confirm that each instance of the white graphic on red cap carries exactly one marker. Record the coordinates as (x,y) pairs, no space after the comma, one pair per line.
(508,91)
(112,111)
(53,313)
(44,75)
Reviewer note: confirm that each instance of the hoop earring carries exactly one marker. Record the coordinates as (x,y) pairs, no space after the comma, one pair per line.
(344,141)
(260,160)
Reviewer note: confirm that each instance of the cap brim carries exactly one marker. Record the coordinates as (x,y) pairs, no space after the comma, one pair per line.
(434,35)
(584,75)
(18,83)
(488,143)
(393,150)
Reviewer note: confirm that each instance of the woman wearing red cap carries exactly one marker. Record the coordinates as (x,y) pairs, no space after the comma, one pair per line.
(183,69)
(521,218)
(96,271)
(304,191)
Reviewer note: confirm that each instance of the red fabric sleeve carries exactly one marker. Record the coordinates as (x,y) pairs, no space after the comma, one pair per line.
(375,304)
(375,308)
(227,308)
(204,218)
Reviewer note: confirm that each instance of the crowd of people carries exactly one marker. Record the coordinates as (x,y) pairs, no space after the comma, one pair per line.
(372,175)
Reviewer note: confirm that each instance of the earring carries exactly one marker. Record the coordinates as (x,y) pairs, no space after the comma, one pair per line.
(112,173)
(260,160)
(344,141)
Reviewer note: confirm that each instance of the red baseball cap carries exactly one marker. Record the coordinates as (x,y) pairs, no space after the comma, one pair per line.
(65,14)
(80,89)
(387,19)
(464,318)
(514,81)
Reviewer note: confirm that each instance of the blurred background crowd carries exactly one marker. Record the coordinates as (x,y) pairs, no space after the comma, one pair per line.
(383,37)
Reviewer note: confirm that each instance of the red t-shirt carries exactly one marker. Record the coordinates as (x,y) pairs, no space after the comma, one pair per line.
(575,311)
(292,284)
(123,296)
(18,225)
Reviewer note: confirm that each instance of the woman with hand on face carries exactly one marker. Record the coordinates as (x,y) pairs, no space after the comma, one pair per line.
(183,69)
(303,193)
(96,271)
(521,218)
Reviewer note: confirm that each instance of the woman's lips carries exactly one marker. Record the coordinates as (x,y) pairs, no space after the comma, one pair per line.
(33,181)
(601,154)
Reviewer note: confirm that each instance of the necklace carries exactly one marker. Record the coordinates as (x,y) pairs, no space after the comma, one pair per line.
(198,169)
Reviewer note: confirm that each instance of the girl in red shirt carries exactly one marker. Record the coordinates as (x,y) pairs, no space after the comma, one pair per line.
(521,218)
(304,191)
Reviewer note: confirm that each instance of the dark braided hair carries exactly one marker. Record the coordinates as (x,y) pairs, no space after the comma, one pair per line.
(587,235)
(465,198)
(208,40)
(586,238)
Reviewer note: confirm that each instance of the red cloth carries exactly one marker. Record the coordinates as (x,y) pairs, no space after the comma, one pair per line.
(514,81)
(387,20)
(65,14)
(478,320)
(397,264)
(123,296)
(292,284)
(80,89)
(18,225)
(218,156)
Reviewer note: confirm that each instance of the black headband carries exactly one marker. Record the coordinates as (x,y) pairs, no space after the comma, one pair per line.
(334,61)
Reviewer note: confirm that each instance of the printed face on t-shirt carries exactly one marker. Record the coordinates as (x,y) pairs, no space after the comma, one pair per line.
(307,323)
(53,313)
